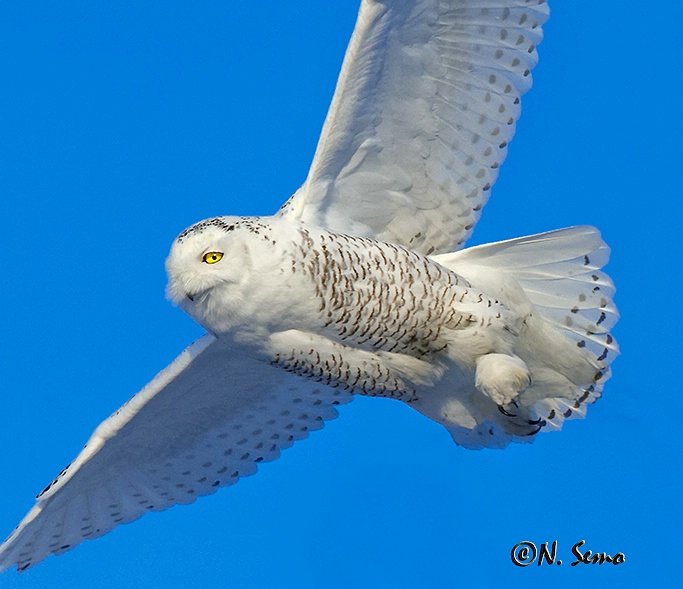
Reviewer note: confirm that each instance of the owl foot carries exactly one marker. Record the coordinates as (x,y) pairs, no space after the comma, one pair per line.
(501,377)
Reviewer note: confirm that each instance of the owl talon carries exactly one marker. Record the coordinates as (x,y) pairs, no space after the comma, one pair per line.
(534,432)
(504,412)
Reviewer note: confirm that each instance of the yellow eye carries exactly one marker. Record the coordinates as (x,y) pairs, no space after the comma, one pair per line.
(212,257)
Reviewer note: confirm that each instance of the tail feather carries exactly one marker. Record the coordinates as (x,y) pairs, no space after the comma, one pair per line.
(561,278)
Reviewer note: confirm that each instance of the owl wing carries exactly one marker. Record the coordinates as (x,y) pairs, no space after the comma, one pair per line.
(202,423)
(424,108)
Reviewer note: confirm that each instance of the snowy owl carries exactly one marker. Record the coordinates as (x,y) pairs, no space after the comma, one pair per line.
(359,285)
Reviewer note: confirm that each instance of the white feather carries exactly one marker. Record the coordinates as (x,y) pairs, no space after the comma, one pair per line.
(424,109)
(204,422)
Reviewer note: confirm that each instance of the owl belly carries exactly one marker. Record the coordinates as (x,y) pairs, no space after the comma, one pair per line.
(386,321)
(381,297)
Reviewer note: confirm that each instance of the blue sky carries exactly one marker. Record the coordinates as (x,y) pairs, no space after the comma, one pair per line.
(123,123)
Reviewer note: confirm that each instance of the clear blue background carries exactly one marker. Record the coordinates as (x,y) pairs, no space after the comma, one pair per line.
(122,123)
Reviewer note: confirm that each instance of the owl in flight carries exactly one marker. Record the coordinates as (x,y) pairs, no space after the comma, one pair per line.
(359,285)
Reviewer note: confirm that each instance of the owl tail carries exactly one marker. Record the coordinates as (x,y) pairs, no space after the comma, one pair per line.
(566,343)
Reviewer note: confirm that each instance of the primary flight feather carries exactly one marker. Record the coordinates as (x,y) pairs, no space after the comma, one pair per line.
(356,286)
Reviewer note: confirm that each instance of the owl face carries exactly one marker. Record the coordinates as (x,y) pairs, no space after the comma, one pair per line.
(203,257)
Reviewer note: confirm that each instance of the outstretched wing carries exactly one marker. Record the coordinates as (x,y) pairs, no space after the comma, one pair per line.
(205,421)
(424,108)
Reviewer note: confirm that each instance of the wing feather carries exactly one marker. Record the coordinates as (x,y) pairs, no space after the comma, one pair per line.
(425,106)
(205,421)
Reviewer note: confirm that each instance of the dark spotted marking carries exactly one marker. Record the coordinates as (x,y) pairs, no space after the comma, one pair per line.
(585,395)
(54,481)
(204,225)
